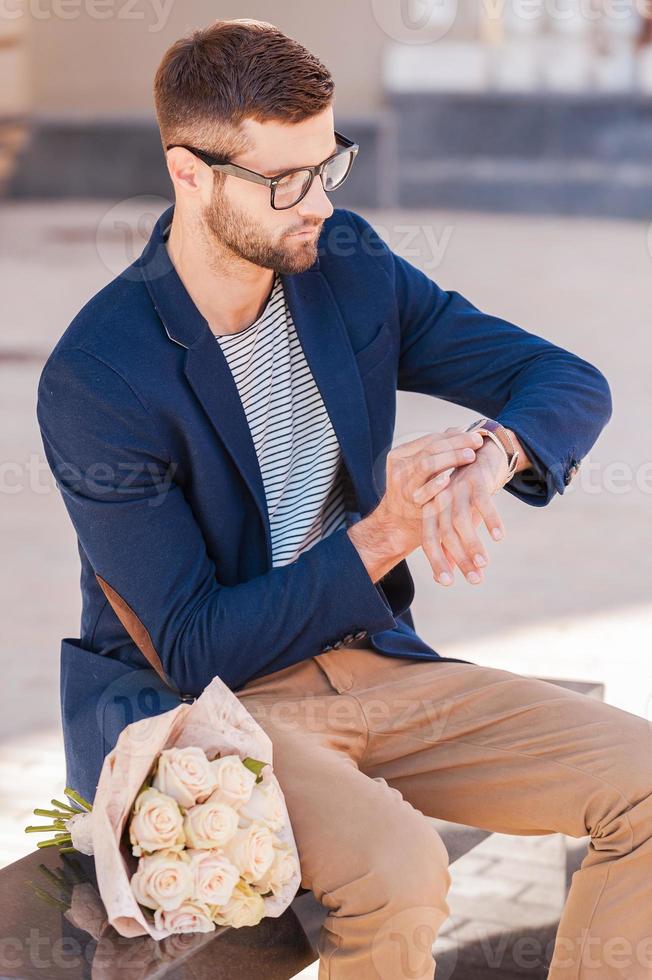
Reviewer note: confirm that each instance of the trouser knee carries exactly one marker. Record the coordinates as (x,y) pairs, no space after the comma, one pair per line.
(621,824)
(407,873)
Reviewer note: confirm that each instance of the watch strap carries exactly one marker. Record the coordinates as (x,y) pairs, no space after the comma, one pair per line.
(498,434)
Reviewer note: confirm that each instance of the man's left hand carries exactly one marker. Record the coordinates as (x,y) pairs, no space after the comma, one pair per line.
(449,518)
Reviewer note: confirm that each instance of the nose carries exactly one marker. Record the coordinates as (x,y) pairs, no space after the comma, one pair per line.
(316,203)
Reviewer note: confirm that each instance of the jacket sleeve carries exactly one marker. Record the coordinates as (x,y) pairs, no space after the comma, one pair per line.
(139,533)
(556,402)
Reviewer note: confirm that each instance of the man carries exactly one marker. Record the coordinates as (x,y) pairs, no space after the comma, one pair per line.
(220,418)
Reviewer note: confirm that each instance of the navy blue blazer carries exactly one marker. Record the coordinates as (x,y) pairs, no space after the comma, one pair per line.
(144,431)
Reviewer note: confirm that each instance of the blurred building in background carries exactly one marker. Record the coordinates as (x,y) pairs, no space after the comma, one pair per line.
(14,93)
(521,105)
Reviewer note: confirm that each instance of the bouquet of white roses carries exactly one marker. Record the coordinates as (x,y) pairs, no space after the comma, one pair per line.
(189,827)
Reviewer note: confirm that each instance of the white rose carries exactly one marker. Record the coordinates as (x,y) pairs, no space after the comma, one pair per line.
(264,806)
(244,908)
(184,774)
(251,849)
(162,880)
(213,875)
(156,823)
(234,782)
(189,917)
(282,871)
(210,825)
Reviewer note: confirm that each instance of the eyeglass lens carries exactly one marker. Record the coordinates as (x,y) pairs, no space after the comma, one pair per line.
(291,188)
(336,170)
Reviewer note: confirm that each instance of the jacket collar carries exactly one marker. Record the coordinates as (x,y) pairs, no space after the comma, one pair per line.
(183,322)
(326,345)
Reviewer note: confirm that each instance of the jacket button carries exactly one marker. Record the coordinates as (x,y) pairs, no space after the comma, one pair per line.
(337,644)
(347,638)
(571,473)
(326,648)
(359,635)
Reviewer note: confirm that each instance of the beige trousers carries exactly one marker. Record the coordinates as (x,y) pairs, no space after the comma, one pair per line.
(366,744)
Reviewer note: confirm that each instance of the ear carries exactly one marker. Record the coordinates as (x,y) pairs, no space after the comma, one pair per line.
(187,172)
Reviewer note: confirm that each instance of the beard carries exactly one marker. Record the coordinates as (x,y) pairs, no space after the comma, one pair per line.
(238,234)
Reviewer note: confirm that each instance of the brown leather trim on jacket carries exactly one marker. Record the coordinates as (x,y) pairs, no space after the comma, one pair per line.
(134,627)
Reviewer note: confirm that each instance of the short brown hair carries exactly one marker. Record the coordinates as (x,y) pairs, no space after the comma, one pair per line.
(213,78)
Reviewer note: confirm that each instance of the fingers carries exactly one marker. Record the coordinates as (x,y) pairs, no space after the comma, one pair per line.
(477,519)
(442,568)
(406,475)
(449,536)
(434,442)
(487,512)
(449,559)
(458,534)
(432,487)
(474,553)
(439,463)
(443,553)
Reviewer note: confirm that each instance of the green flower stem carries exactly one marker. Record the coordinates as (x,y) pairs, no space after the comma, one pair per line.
(64,806)
(43,829)
(74,795)
(57,814)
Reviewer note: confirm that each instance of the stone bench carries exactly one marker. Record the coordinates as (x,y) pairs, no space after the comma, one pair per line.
(41,937)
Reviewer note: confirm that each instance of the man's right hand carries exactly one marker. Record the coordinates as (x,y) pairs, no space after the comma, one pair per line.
(394,529)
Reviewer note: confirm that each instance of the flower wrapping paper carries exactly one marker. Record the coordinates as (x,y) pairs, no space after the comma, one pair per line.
(217,722)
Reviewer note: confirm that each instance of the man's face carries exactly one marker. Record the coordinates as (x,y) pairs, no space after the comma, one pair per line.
(240,216)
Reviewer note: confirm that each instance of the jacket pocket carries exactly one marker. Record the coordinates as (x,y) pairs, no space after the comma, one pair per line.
(376,350)
(99,697)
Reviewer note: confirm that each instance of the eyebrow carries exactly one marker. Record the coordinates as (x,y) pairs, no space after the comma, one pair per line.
(332,153)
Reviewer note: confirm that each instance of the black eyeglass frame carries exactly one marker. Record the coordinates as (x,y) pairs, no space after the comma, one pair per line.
(223,166)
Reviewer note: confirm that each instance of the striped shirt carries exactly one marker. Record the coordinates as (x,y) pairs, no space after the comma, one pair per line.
(297,449)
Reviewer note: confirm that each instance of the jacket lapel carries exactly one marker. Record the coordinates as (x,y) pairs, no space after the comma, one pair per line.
(210,377)
(326,345)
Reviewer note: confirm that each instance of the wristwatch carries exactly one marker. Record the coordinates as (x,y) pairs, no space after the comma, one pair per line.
(498,434)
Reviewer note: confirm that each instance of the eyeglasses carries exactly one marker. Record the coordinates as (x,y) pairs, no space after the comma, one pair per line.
(291,186)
